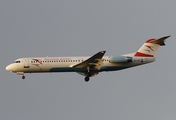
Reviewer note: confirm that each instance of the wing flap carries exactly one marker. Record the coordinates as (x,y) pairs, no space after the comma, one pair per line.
(97,65)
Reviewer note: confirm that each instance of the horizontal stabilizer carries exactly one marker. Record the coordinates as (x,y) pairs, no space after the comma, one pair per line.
(159,41)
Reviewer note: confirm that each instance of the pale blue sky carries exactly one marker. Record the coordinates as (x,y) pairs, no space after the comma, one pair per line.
(39,28)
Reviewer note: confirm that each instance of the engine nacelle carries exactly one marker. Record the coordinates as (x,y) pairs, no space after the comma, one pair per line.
(120,59)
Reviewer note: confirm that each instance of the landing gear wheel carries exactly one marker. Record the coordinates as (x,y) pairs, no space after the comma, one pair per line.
(23,77)
(87,79)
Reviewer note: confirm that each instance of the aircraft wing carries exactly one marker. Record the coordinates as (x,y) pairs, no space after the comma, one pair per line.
(93,62)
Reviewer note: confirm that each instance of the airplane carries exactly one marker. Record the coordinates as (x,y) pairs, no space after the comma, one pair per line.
(88,66)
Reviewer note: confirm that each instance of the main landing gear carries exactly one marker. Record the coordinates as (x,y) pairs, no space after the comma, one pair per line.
(87,78)
(23,77)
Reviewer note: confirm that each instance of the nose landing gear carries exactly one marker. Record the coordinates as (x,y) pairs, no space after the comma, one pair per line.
(23,77)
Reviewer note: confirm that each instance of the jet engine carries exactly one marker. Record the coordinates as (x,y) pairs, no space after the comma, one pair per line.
(120,59)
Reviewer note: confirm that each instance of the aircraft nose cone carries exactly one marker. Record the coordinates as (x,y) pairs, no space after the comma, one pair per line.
(8,68)
(11,68)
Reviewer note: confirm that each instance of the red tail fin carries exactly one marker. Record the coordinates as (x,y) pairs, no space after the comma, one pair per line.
(150,47)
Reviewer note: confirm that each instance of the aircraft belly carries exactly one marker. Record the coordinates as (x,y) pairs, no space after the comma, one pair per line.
(118,66)
(67,69)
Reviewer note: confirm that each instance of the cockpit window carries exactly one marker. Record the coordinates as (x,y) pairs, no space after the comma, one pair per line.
(17,61)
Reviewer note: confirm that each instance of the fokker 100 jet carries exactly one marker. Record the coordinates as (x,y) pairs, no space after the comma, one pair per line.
(88,66)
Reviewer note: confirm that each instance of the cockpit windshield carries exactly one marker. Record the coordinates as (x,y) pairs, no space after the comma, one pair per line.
(18,61)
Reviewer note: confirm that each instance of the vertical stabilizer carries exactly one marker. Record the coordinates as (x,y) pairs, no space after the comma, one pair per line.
(150,47)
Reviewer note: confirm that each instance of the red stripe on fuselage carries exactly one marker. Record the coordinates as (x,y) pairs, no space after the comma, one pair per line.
(138,54)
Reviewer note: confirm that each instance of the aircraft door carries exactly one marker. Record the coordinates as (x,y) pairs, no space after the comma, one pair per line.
(26,63)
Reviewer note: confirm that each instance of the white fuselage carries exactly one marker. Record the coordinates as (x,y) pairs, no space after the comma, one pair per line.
(90,65)
(64,64)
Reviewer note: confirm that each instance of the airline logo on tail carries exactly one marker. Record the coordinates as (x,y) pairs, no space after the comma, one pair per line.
(150,47)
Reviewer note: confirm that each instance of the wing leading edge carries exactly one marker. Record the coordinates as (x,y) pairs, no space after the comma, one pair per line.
(93,62)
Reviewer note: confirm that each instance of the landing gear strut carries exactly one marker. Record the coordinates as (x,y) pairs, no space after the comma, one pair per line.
(23,77)
(87,79)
